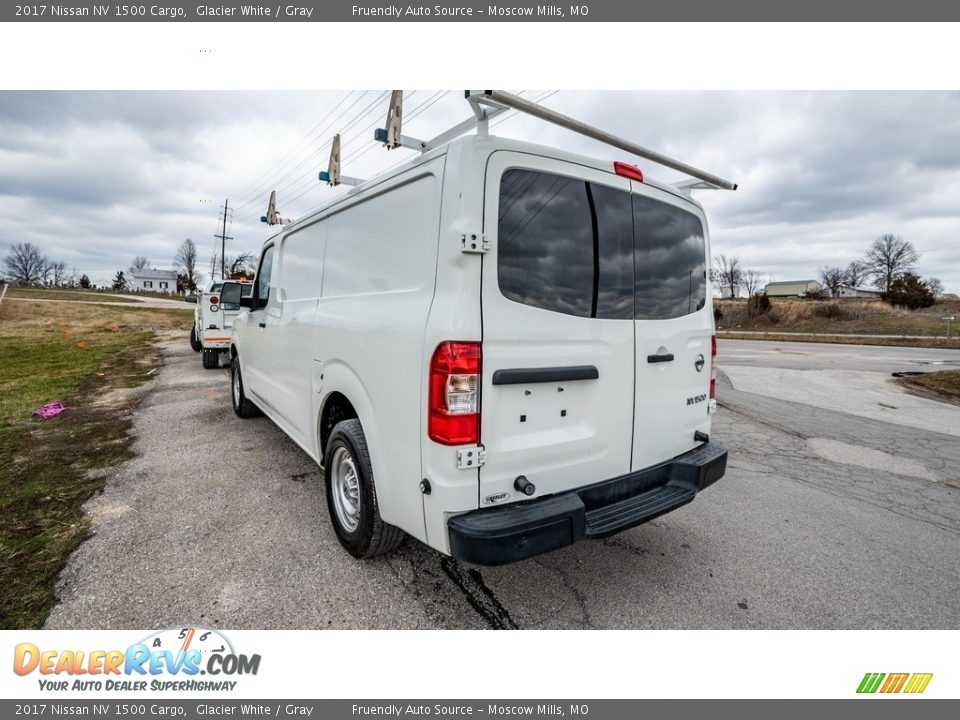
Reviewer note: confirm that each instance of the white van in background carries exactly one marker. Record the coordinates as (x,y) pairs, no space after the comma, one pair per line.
(200,299)
(213,319)
(498,348)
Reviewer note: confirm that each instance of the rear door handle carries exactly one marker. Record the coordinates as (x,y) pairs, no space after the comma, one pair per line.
(263,325)
(665,357)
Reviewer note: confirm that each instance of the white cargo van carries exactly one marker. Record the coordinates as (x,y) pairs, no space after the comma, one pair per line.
(213,319)
(200,299)
(498,348)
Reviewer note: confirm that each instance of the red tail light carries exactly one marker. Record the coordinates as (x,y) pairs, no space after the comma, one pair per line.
(214,299)
(628,171)
(713,367)
(454,402)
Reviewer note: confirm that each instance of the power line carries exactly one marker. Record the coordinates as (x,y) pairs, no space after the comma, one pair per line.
(269,178)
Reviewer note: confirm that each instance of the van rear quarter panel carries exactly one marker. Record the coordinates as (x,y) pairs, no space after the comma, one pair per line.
(378,284)
(454,315)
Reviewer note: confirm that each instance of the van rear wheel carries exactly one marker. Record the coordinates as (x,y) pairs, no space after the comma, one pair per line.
(243,407)
(352,496)
(194,343)
(211,359)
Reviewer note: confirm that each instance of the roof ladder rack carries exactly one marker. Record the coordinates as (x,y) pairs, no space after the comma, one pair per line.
(332,176)
(499,99)
(273,216)
(392,137)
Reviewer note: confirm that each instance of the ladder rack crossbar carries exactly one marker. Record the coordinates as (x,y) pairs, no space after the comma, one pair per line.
(502,99)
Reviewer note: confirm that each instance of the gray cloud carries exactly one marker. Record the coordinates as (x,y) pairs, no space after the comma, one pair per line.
(95,178)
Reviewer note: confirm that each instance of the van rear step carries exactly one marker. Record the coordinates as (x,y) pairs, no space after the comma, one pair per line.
(636,510)
(500,535)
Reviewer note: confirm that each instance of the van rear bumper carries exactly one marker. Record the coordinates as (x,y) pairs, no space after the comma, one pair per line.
(501,535)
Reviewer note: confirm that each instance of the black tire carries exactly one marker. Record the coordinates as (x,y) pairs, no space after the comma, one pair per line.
(211,359)
(243,407)
(194,343)
(371,536)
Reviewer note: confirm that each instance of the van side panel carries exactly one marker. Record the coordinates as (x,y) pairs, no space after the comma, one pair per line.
(298,274)
(378,283)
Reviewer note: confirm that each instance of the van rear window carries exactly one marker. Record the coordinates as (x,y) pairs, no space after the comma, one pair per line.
(583,249)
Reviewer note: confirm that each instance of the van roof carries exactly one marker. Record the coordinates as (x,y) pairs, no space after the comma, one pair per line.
(489,143)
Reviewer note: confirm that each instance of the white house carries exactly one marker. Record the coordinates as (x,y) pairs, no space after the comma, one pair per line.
(860,292)
(153,280)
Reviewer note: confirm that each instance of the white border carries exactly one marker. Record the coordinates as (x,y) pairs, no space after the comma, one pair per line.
(594,56)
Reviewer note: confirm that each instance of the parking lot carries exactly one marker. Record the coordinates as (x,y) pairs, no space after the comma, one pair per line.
(840,509)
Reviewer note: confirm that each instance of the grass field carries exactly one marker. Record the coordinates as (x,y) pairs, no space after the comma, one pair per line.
(838,317)
(76,354)
(56,294)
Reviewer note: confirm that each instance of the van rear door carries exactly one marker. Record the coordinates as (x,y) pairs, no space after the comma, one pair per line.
(674,326)
(558,330)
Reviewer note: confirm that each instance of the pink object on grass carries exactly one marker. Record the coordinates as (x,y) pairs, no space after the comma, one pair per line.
(48,411)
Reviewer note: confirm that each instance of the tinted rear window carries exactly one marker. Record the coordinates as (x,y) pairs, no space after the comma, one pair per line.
(588,250)
(671,275)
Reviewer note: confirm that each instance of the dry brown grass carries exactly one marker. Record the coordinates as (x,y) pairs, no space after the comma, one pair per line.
(837,317)
(942,385)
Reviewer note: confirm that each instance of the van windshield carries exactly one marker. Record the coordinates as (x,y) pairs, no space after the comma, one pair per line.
(588,250)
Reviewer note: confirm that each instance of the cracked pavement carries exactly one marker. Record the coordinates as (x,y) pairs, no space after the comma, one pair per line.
(825,519)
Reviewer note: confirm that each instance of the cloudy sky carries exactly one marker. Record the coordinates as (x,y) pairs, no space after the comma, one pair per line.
(96,178)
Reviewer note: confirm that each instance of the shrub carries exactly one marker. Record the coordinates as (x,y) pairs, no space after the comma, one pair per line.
(830,310)
(909,291)
(758,304)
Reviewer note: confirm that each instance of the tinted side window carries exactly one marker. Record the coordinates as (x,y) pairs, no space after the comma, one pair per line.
(671,270)
(263,277)
(565,245)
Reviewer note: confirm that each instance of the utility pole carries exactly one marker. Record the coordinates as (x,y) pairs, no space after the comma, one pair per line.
(223,240)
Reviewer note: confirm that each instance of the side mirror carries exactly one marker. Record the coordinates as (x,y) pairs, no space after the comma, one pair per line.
(191,299)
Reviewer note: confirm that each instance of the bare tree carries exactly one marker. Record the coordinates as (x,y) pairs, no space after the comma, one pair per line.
(59,270)
(139,263)
(241,267)
(832,278)
(25,264)
(730,273)
(752,281)
(186,262)
(46,272)
(856,273)
(890,257)
(935,286)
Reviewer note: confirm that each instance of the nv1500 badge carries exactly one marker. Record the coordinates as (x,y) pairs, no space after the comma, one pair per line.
(696,399)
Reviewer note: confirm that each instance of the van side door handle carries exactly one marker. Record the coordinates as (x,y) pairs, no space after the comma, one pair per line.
(263,325)
(664,357)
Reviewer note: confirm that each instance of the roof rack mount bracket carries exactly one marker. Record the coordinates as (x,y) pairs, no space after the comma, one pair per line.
(332,176)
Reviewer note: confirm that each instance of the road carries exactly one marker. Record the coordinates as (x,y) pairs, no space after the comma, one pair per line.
(827,518)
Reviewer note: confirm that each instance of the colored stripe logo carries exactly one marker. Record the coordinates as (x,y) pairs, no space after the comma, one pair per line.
(913,683)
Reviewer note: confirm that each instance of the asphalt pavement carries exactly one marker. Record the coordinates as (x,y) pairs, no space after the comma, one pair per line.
(828,517)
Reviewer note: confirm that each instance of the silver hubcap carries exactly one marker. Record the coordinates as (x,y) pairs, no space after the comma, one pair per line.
(345,489)
(236,387)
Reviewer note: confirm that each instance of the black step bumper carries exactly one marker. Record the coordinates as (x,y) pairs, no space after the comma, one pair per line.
(501,535)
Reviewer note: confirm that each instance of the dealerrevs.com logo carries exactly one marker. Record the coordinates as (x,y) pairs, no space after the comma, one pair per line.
(168,660)
(892,683)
